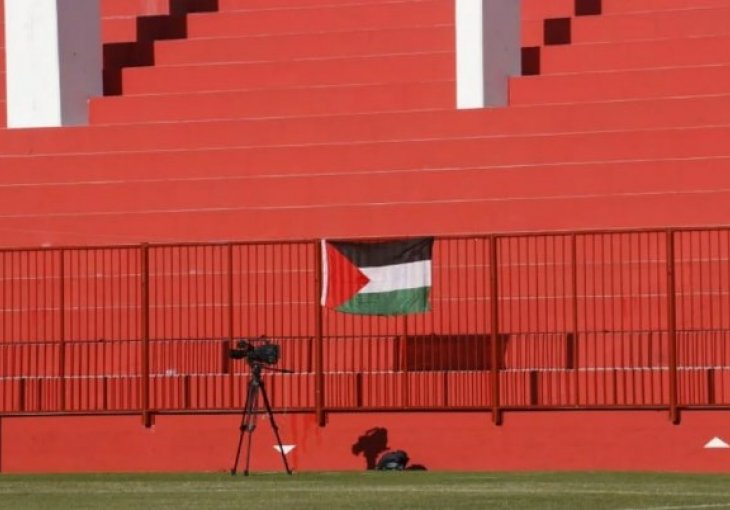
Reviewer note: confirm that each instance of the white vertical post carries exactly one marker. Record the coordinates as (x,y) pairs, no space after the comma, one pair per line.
(53,61)
(487,51)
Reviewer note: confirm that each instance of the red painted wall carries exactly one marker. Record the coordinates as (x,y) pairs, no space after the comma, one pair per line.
(631,441)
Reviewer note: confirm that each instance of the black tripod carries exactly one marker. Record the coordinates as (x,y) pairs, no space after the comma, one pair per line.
(250,414)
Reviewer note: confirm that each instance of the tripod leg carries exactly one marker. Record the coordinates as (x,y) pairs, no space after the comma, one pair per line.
(275,427)
(253,415)
(245,425)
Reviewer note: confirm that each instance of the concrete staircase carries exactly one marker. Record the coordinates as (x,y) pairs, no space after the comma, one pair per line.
(249,119)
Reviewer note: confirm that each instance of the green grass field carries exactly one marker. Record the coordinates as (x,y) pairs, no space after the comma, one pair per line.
(404,490)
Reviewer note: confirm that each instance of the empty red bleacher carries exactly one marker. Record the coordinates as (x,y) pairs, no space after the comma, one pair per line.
(679,22)
(330,118)
(323,67)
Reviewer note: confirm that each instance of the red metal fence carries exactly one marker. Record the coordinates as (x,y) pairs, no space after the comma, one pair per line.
(630,319)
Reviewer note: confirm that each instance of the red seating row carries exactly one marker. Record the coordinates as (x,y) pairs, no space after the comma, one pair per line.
(372,126)
(384,390)
(592,351)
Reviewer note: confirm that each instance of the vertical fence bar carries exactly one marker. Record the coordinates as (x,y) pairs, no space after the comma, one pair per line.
(145,316)
(573,355)
(403,355)
(573,346)
(672,328)
(319,392)
(62,329)
(227,368)
(611,261)
(230,325)
(494,296)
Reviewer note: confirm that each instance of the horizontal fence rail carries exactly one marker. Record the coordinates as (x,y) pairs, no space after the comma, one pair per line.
(585,320)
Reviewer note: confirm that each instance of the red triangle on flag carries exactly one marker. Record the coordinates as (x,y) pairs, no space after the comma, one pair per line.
(344,279)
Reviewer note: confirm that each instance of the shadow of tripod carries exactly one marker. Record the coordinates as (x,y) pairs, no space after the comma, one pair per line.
(251,411)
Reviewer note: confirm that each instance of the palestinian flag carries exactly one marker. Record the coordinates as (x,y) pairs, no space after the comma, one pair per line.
(383,278)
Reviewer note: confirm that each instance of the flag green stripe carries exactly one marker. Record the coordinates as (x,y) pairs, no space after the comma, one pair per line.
(397,302)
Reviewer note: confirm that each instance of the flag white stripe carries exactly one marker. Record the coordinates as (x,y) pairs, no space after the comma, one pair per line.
(411,275)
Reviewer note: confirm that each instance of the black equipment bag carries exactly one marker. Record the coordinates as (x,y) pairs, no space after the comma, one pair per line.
(393,461)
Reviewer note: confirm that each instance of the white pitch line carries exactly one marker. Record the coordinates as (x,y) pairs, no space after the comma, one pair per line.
(681,507)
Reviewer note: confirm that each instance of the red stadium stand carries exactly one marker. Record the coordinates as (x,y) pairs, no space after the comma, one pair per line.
(282,120)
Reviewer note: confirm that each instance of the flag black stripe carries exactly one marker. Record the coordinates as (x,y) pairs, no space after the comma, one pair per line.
(386,253)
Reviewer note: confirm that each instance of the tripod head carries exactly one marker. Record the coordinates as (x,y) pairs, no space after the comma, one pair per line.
(260,353)
(257,368)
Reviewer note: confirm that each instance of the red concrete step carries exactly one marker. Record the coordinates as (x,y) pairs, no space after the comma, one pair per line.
(623,6)
(110,8)
(608,85)
(534,14)
(385,14)
(569,118)
(274,101)
(298,191)
(333,71)
(241,5)
(318,191)
(540,9)
(532,33)
(113,8)
(322,44)
(681,112)
(369,219)
(119,29)
(636,54)
(689,22)
(531,9)
(375,156)
(143,29)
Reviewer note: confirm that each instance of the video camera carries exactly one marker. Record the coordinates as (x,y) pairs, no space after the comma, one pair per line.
(256,351)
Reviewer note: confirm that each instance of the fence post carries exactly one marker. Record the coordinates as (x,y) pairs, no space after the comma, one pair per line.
(319,391)
(495,362)
(145,316)
(672,329)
